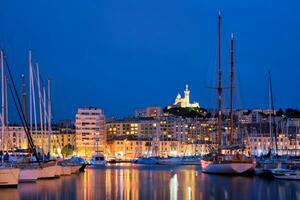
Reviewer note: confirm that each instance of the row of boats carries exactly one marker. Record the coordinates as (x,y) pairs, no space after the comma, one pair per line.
(11,174)
(279,168)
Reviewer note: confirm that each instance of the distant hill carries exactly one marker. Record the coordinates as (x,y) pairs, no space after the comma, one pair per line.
(187,112)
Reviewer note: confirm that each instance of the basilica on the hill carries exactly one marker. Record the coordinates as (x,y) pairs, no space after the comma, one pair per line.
(184,102)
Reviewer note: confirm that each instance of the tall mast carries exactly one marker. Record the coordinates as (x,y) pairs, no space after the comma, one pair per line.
(2,104)
(40,108)
(45,117)
(33,105)
(30,92)
(49,116)
(272,119)
(231,87)
(219,89)
(6,108)
(24,96)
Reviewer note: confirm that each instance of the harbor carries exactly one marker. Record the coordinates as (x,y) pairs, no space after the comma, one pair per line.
(149,100)
(131,181)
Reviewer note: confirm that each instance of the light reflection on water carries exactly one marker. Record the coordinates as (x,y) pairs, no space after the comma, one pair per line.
(153,182)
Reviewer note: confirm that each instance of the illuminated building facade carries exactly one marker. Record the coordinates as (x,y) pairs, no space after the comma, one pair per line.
(185,101)
(90,133)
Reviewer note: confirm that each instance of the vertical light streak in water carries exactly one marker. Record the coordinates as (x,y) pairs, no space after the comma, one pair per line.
(189,189)
(173,187)
(122,184)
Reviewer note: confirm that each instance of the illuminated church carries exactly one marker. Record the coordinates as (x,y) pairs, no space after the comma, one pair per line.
(184,102)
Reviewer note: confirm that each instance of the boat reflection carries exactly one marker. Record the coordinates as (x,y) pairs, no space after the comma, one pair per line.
(153,182)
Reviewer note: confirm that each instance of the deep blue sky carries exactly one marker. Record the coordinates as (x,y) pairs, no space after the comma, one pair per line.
(121,55)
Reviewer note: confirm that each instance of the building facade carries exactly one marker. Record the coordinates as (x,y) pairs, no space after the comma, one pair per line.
(185,101)
(90,134)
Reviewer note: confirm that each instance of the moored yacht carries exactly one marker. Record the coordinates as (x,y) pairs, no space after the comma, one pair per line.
(230,166)
(98,160)
(47,170)
(218,163)
(171,161)
(29,173)
(287,174)
(9,176)
(66,170)
(147,160)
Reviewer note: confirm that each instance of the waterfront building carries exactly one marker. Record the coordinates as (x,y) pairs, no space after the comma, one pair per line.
(15,138)
(90,134)
(128,149)
(58,140)
(185,101)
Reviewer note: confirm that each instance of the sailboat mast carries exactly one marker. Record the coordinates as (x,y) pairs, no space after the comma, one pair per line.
(45,115)
(231,87)
(30,92)
(6,107)
(24,96)
(272,119)
(49,116)
(2,104)
(40,107)
(219,89)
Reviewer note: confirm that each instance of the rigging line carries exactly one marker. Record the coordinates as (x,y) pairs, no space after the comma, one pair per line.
(21,111)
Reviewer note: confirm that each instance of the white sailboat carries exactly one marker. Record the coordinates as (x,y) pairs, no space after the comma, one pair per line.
(47,170)
(29,174)
(226,164)
(66,170)
(9,176)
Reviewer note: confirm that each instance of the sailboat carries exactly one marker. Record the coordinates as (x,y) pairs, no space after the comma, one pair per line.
(218,163)
(267,165)
(9,176)
(148,159)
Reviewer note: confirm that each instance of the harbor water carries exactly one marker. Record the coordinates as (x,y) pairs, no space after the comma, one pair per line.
(130,181)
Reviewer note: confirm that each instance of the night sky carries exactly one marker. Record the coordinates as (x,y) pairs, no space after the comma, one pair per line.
(122,55)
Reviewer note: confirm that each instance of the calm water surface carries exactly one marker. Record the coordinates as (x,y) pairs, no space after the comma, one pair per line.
(126,181)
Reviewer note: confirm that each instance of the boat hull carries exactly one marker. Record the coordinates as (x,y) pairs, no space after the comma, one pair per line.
(170,162)
(236,168)
(58,171)
(47,171)
(29,175)
(9,177)
(286,174)
(147,161)
(66,170)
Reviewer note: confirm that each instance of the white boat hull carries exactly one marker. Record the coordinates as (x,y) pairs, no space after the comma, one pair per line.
(286,174)
(147,161)
(99,163)
(47,172)
(170,162)
(9,177)
(66,170)
(58,171)
(29,175)
(227,168)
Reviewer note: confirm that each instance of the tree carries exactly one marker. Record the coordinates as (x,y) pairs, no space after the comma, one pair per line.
(67,150)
